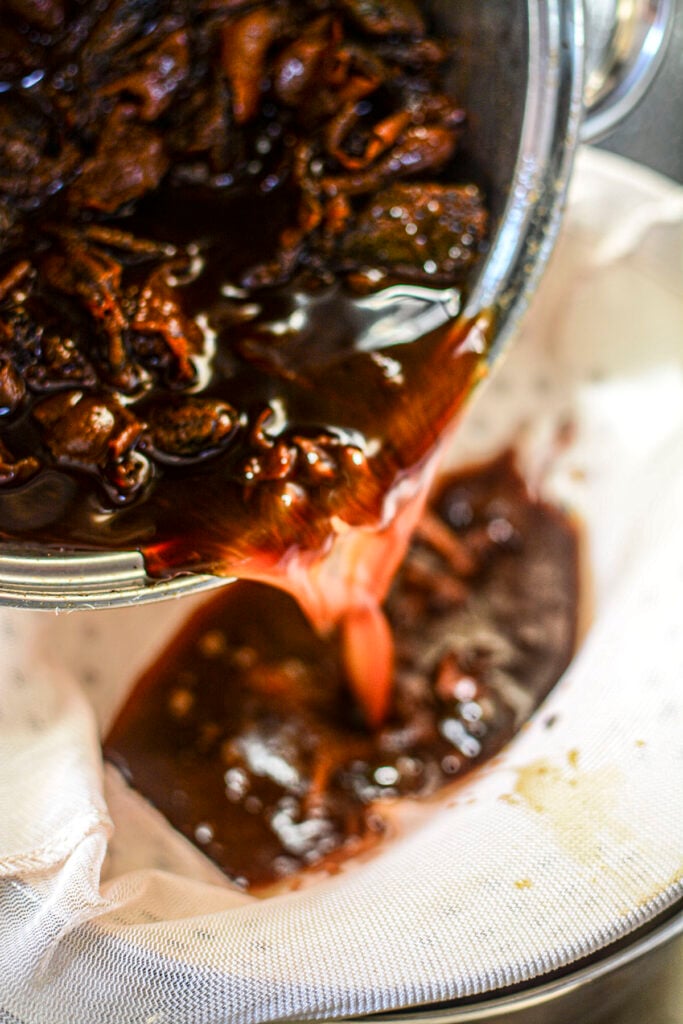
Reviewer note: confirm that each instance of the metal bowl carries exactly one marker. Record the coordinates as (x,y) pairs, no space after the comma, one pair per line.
(646,966)
(525,124)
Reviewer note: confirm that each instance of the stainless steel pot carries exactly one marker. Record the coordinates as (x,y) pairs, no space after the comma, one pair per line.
(644,973)
(536,79)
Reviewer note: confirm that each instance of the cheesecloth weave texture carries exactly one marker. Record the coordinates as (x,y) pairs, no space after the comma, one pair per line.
(570,840)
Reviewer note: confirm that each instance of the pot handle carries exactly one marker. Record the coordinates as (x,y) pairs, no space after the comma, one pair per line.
(625,43)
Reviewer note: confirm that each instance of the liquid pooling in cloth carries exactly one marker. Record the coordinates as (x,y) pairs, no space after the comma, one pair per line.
(245,734)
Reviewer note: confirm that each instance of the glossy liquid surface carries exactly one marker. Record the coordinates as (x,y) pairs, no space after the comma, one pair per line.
(193,359)
(245,734)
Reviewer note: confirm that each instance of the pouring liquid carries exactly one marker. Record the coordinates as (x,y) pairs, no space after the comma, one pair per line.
(326,470)
(244,734)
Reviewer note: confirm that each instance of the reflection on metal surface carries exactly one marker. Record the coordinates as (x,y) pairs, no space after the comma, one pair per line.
(55,580)
(626,42)
(399,315)
(552,114)
(653,133)
(584,994)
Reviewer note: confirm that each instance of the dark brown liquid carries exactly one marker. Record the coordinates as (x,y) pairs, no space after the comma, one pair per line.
(245,736)
(377,412)
(154,150)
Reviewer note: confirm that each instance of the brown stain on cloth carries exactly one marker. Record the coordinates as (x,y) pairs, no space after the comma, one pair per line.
(589,822)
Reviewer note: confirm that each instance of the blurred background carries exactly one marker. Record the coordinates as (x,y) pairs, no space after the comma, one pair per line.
(653,134)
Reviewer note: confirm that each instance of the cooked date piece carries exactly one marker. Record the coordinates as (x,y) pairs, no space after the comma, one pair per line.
(35,158)
(93,277)
(159,312)
(60,362)
(191,427)
(14,278)
(12,388)
(112,30)
(245,45)
(301,65)
(157,73)
(94,432)
(195,200)
(47,15)
(412,230)
(129,162)
(386,17)
(16,471)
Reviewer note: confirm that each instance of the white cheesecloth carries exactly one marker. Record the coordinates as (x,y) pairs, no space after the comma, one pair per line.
(569,840)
